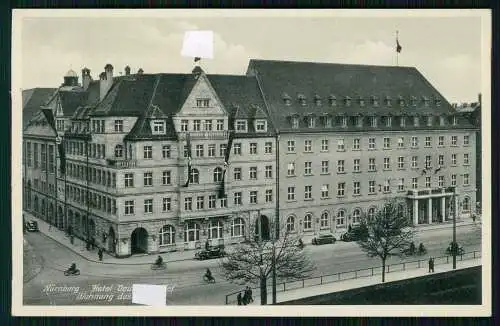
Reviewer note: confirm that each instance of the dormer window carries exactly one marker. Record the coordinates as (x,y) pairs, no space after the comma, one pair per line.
(374,101)
(415,121)
(261,125)
(184,125)
(413,101)
(317,100)
(287,99)
(429,120)
(388,101)
(441,121)
(358,121)
(454,120)
(202,102)
(158,127)
(311,122)
(302,99)
(361,101)
(347,101)
(402,122)
(426,101)
(118,125)
(401,101)
(333,100)
(241,126)
(388,121)
(328,122)
(438,102)
(373,122)
(343,122)
(295,122)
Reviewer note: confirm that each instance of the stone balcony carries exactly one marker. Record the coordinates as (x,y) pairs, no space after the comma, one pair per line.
(121,163)
(208,135)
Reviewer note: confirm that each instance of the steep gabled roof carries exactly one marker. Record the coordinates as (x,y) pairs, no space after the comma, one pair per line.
(342,81)
(32,100)
(71,101)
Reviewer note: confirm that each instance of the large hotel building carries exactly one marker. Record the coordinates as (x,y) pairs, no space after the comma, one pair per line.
(160,162)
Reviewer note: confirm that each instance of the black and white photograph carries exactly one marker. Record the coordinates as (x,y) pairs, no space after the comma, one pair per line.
(312,162)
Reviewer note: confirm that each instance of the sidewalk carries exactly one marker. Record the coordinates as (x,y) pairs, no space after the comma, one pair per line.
(310,291)
(79,247)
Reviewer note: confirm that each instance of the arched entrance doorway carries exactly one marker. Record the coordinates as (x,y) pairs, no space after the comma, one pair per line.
(139,241)
(111,240)
(262,227)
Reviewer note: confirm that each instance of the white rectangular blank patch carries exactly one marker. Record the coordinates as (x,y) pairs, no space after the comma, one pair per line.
(149,294)
(198,44)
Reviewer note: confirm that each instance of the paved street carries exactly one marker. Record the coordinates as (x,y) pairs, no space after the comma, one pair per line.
(184,278)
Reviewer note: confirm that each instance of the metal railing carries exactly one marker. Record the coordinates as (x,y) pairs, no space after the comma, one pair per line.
(231,298)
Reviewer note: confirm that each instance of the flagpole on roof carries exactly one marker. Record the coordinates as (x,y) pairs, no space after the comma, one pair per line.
(398,48)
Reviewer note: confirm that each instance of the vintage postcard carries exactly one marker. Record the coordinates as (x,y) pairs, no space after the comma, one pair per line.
(251,163)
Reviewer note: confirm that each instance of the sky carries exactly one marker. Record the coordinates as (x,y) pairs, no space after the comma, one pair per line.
(446,50)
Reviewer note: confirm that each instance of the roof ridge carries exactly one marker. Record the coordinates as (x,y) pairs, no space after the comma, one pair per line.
(327,63)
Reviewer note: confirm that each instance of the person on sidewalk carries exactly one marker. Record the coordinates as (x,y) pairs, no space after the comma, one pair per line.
(249,291)
(239,299)
(432,265)
(100,252)
(244,300)
(72,239)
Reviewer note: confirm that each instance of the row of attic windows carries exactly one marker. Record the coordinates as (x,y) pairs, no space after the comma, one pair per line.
(373,121)
(372,100)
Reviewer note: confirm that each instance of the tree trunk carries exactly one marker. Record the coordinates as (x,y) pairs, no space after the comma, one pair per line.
(383,270)
(263,290)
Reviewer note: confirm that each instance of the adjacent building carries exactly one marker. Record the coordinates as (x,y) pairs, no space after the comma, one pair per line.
(162,162)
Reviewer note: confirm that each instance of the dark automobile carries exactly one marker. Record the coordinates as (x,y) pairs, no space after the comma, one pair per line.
(32,226)
(356,232)
(323,239)
(210,253)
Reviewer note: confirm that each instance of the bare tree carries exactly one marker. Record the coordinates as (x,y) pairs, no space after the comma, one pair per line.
(389,232)
(253,260)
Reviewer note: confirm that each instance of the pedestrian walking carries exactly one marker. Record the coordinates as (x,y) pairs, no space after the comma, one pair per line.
(432,265)
(474,218)
(100,252)
(239,298)
(72,239)
(249,291)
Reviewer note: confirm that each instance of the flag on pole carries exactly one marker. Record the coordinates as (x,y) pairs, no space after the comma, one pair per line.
(398,46)
(188,144)
(222,188)
(49,115)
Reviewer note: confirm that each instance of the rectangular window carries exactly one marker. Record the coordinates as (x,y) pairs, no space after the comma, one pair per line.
(237,198)
(118,125)
(371,187)
(441,141)
(441,181)
(414,141)
(340,145)
(401,162)
(237,148)
(268,148)
(307,192)
(453,159)
(414,183)
(166,178)
(357,188)
(373,121)
(222,150)
(340,166)
(253,197)
(269,195)
(203,102)
(291,193)
(196,125)
(208,125)
(200,202)
(148,205)
(308,146)
(237,174)
(441,160)
(167,204)
(428,161)
(269,171)
(253,148)
(51,159)
(387,143)
(401,184)
(387,186)
(343,121)
(158,127)
(220,125)
(428,141)
(453,140)
(340,189)
(291,146)
(311,122)
(388,121)
(324,167)
(466,179)
(28,153)
(295,123)
(427,182)
(371,143)
(199,151)
(223,202)
(291,169)
(43,157)
(356,165)
(188,204)
(454,180)
(387,163)
(324,145)
(129,180)
(253,173)
(466,140)
(355,144)
(261,125)
(148,179)
(148,152)
(325,189)
(401,142)
(129,207)
(184,125)
(211,150)
(211,201)
(414,162)
(402,122)
(371,164)
(466,159)
(307,168)
(166,152)
(241,125)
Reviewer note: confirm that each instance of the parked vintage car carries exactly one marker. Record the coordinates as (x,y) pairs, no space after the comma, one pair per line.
(323,239)
(32,226)
(210,253)
(356,232)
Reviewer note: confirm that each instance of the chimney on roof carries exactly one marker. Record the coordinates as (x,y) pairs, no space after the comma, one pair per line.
(140,71)
(127,70)
(86,78)
(105,81)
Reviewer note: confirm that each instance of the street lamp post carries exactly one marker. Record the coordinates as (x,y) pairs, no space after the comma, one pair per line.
(455,246)
(274,271)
